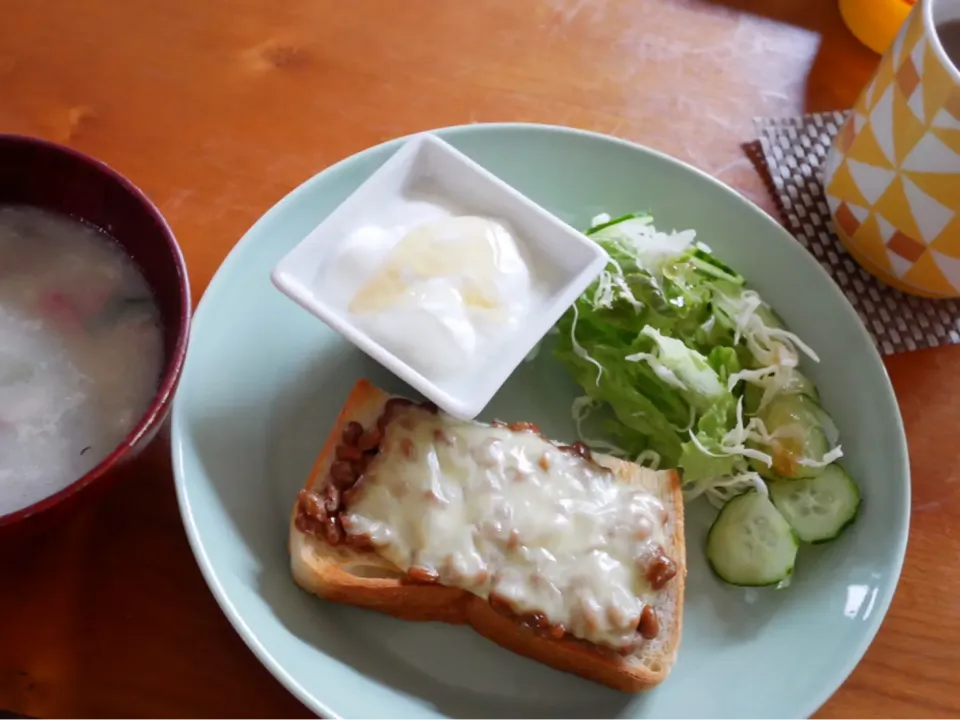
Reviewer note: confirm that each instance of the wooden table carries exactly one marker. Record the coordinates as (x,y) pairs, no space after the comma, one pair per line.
(217,108)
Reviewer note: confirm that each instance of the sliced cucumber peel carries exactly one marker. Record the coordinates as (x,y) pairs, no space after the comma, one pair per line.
(751,544)
(795,383)
(820,508)
(709,265)
(800,432)
(616,221)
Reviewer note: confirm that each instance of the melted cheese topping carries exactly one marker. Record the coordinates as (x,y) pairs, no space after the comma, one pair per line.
(509,514)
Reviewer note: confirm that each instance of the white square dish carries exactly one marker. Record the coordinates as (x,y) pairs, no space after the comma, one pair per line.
(564,261)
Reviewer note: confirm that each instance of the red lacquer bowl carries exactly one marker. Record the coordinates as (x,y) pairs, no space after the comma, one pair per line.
(43,174)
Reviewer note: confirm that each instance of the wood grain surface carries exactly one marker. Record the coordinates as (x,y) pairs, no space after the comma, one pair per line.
(217,108)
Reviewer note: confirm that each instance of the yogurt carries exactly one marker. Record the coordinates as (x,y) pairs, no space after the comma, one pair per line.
(438,289)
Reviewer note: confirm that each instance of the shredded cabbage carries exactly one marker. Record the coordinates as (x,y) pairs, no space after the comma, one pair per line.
(578,348)
(719,490)
(829,457)
(649,459)
(671,341)
(581,409)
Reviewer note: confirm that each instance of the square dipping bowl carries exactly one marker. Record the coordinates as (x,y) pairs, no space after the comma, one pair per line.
(564,261)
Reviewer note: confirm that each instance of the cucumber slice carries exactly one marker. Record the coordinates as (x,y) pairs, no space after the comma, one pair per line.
(826,423)
(752,395)
(709,265)
(616,221)
(770,317)
(796,383)
(792,382)
(750,543)
(798,420)
(820,508)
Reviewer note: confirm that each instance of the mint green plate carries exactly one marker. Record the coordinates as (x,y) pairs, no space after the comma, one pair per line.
(264,381)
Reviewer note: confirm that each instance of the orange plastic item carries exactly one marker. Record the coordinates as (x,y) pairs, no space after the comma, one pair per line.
(875,23)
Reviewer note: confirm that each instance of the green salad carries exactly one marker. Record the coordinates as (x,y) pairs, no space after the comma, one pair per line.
(683,366)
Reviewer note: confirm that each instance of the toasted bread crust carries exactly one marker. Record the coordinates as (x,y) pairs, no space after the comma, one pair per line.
(343,575)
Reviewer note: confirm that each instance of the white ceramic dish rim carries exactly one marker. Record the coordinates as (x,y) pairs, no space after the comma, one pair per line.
(488,378)
(882,603)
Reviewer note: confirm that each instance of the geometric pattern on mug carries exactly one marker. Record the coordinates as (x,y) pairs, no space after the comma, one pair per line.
(795,152)
(893,187)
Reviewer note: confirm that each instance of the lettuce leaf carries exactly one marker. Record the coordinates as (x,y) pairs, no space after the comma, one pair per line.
(648,340)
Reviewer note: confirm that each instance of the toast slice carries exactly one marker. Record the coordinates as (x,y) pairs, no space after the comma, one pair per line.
(360,575)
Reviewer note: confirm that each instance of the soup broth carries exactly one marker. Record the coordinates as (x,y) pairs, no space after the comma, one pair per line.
(81,351)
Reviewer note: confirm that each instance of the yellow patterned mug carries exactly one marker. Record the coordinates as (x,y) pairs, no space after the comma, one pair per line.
(892,177)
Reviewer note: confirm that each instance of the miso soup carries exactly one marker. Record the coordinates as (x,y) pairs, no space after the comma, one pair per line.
(81,351)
